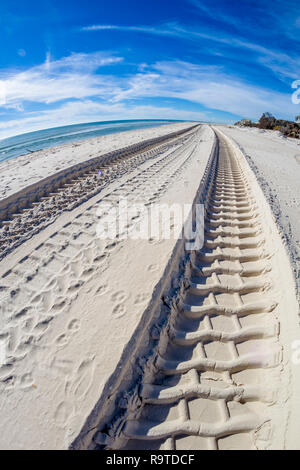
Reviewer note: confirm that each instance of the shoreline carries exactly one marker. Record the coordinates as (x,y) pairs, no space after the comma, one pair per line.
(57,136)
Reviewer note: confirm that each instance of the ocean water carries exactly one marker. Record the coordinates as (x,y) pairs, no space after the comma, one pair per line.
(32,141)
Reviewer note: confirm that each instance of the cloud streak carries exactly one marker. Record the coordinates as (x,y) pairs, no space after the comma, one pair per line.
(68,78)
(91,111)
(280,64)
(78,89)
(208,86)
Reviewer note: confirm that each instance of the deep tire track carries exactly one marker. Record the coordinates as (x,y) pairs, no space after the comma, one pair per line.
(212,380)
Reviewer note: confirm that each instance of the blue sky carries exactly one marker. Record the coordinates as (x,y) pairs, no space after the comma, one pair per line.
(79,61)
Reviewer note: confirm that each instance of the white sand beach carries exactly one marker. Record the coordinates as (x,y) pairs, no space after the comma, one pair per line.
(158,345)
(29,169)
(275,161)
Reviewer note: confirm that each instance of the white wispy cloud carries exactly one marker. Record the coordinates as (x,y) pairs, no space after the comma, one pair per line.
(74,89)
(167,29)
(55,80)
(277,18)
(91,111)
(208,86)
(282,65)
(210,9)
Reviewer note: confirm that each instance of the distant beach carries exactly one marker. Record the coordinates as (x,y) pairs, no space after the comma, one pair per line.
(31,142)
(71,148)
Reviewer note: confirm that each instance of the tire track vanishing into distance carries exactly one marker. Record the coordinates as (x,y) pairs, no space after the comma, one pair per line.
(51,270)
(25,213)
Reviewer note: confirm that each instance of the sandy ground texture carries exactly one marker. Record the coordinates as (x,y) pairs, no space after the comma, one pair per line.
(217,368)
(275,160)
(17,173)
(137,343)
(71,302)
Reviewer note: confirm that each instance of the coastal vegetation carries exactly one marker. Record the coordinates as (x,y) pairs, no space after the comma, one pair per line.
(268,121)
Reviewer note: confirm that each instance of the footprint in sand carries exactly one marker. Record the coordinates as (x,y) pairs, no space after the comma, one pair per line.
(24,347)
(153,267)
(26,381)
(84,378)
(119,296)
(28,325)
(21,314)
(87,272)
(112,246)
(155,241)
(43,325)
(119,311)
(5,372)
(62,340)
(62,414)
(76,268)
(99,259)
(59,367)
(13,339)
(37,299)
(74,325)
(88,255)
(47,300)
(140,299)
(59,305)
(10,382)
(75,287)
(61,284)
(101,290)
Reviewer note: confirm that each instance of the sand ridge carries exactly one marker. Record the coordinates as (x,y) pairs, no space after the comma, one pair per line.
(218,372)
(64,289)
(118,334)
(274,160)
